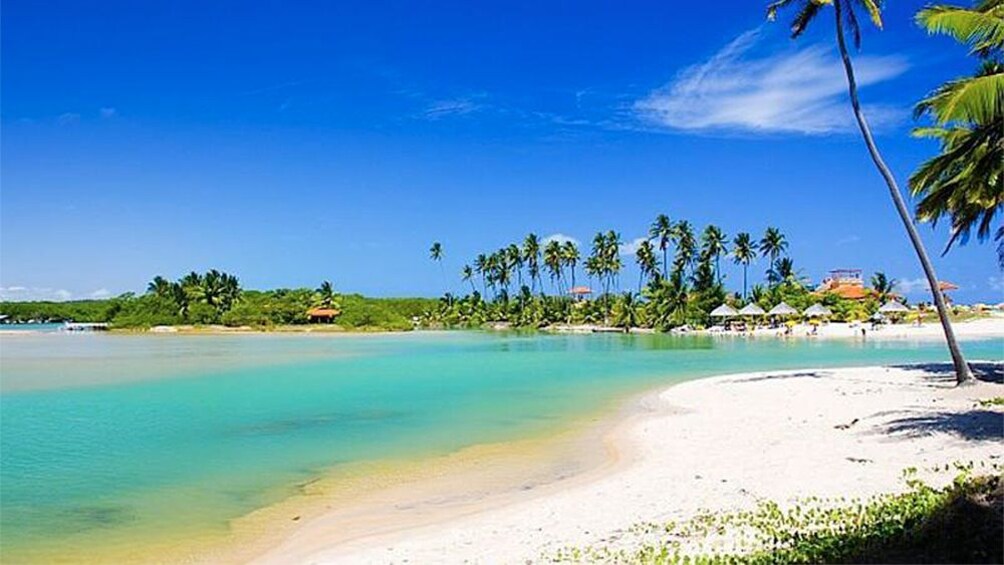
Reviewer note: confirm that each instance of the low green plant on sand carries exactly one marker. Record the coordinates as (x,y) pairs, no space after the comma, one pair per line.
(960,523)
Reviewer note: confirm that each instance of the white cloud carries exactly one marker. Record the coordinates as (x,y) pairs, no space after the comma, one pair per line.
(913,286)
(22,293)
(560,238)
(631,247)
(849,240)
(803,91)
(446,108)
(101,293)
(107,112)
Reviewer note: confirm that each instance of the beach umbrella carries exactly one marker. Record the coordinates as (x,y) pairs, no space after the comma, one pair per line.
(724,311)
(893,307)
(817,310)
(751,309)
(782,309)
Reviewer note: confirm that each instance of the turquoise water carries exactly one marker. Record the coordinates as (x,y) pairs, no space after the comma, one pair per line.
(109,437)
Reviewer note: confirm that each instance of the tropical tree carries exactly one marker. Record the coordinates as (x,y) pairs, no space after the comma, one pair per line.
(436,254)
(325,294)
(531,255)
(714,244)
(743,253)
(662,232)
(481,267)
(467,274)
(514,256)
(843,14)
(882,286)
(965,181)
(647,266)
(686,246)
(772,244)
(159,286)
(554,260)
(570,258)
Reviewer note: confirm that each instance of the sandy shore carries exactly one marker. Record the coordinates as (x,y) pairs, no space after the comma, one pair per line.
(721,443)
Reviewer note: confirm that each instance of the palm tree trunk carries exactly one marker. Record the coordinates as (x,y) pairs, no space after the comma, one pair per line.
(744,281)
(962,373)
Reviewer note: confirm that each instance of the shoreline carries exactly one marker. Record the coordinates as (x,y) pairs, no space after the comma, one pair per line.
(640,482)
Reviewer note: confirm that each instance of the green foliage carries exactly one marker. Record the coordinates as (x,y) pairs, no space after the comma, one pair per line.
(960,523)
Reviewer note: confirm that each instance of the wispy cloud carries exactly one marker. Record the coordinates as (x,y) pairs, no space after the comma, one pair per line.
(996,283)
(101,293)
(560,238)
(800,91)
(631,247)
(445,108)
(68,118)
(848,240)
(108,112)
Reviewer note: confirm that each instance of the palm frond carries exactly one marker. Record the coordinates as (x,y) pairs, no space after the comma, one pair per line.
(982,30)
(805,15)
(773,8)
(976,100)
(874,9)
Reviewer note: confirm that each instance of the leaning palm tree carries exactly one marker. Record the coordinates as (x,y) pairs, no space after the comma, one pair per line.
(843,14)
(743,253)
(966,181)
(662,232)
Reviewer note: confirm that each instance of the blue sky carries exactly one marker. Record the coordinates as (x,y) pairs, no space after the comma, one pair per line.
(291,142)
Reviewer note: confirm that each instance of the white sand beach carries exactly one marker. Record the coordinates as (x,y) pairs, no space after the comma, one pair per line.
(720,443)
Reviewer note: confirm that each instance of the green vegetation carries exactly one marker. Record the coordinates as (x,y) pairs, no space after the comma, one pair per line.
(217,298)
(965,181)
(686,288)
(961,523)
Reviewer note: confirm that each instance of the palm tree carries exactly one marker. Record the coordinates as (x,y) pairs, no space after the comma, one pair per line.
(843,10)
(467,274)
(966,181)
(647,266)
(436,254)
(325,294)
(612,257)
(159,286)
(772,244)
(686,244)
(743,253)
(662,231)
(570,257)
(553,261)
(531,254)
(481,267)
(714,242)
(882,286)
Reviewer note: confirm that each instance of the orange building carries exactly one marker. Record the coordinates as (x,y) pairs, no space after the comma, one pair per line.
(845,283)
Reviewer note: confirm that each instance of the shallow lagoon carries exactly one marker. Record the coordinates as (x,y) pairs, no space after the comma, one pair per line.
(116,438)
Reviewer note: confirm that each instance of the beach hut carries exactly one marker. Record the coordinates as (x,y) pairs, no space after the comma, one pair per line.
(724,311)
(580,292)
(752,309)
(322,315)
(817,311)
(782,310)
